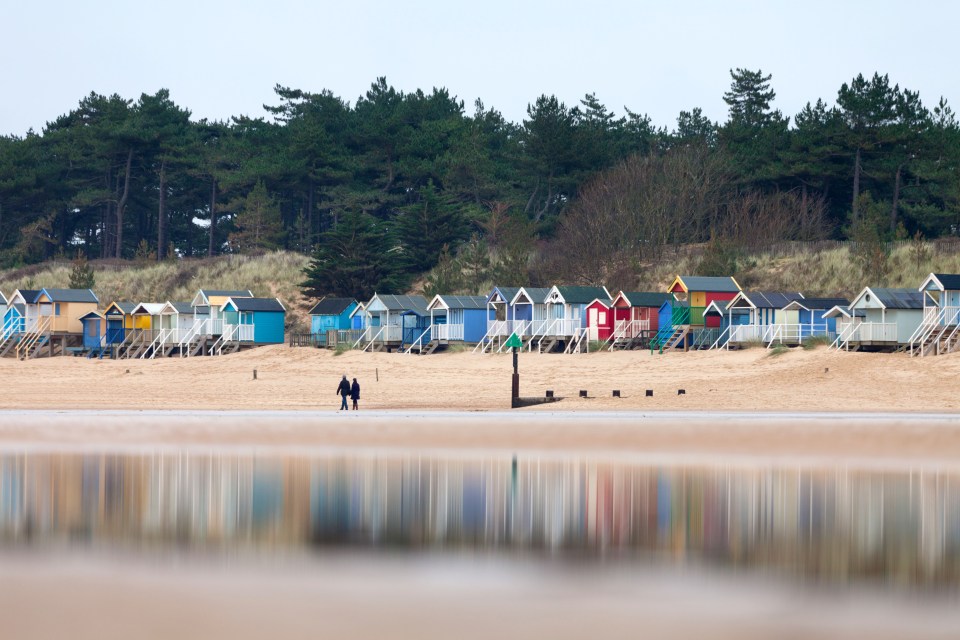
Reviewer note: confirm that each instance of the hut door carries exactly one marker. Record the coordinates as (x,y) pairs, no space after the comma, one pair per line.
(592,320)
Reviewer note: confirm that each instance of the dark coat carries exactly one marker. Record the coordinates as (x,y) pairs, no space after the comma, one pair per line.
(355,391)
(344,388)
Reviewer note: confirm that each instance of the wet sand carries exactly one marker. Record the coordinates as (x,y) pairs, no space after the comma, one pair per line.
(889,440)
(356,595)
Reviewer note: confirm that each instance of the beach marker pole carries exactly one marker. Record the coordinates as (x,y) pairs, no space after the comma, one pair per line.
(681,392)
(583,393)
(514,343)
(254,374)
(649,393)
(616,393)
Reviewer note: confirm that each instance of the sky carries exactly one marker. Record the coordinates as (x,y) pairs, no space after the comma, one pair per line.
(221,58)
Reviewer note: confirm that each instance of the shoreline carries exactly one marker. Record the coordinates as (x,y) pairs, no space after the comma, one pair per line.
(891,441)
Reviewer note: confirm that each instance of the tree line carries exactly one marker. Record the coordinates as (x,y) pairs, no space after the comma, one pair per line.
(400,184)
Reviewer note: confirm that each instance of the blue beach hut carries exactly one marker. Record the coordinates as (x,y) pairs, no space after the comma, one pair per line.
(259,320)
(94,325)
(332,314)
(464,318)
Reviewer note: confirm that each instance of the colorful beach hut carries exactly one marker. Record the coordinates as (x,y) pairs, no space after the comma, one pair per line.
(938,332)
(119,320)
(392,318)
(889,319)
(758,316)
(566,321)
(636,317)
(28,309)
(599,320)
(458,318)
(65,307)
(208,303)
(501,313)
(332,314)
(94,327)
(257,320)
(699,291)
(810,319)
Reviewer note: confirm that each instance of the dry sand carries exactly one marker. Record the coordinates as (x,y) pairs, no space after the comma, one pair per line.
(292,379)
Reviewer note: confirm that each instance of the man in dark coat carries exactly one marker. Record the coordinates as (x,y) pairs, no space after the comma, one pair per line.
(344,391)
(355,392)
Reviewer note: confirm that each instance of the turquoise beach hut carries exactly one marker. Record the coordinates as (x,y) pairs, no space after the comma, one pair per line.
(332,314)
(260,320)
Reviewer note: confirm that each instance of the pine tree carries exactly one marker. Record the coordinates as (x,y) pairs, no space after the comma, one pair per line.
(81,277)
(429,224)
(258,223)
(355,258)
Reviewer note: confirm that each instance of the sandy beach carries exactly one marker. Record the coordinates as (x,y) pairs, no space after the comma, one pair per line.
(817,407)
(306,379)
(801,404)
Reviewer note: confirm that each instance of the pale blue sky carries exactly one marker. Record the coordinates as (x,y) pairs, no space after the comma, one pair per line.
(223,57)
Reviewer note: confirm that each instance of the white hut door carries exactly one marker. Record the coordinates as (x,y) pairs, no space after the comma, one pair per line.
(592,324)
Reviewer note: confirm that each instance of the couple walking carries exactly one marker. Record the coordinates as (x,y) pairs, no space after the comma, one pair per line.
(346,389)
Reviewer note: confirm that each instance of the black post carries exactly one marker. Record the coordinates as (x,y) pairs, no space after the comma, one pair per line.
(515,393)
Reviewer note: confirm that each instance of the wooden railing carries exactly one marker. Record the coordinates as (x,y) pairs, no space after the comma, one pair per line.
(447,332)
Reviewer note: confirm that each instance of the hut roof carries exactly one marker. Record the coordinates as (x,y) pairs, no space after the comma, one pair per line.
(582,295)
(949,281)
(818,303)
(257,304)
(645,298)
(537,295)
(403,303)
(717,284)
(508,293)
(770,299)
(459,302)
(28,295)
(331,306)
(69,295)
(899,298)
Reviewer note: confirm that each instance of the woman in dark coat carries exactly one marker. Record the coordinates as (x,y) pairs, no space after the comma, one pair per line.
(355,392)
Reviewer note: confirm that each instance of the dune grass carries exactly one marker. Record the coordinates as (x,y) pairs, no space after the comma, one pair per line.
(273,275)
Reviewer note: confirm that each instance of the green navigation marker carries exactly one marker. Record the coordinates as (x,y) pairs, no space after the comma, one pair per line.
(514,342)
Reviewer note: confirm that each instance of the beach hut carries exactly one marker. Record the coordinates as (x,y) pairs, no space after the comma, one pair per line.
(758,316)
(332,321)
(94,328)
(599,320)
(566,316)
(501,313)
(636,317)
(457,319)
(357,317)
(65,307)
(13,322)
(938,332)
(390,318)
(28,309)
(889,319)
(119,321)
(332,314)
(682,323)
(207,305)
(698,292)
(806,318)
(253,320)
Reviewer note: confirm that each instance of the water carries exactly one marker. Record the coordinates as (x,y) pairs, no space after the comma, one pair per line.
(832,525)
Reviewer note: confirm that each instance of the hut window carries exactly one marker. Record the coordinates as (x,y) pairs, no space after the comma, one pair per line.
(501,311)
(56,309)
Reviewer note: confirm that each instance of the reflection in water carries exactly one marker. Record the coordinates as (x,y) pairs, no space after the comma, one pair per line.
(900,527)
